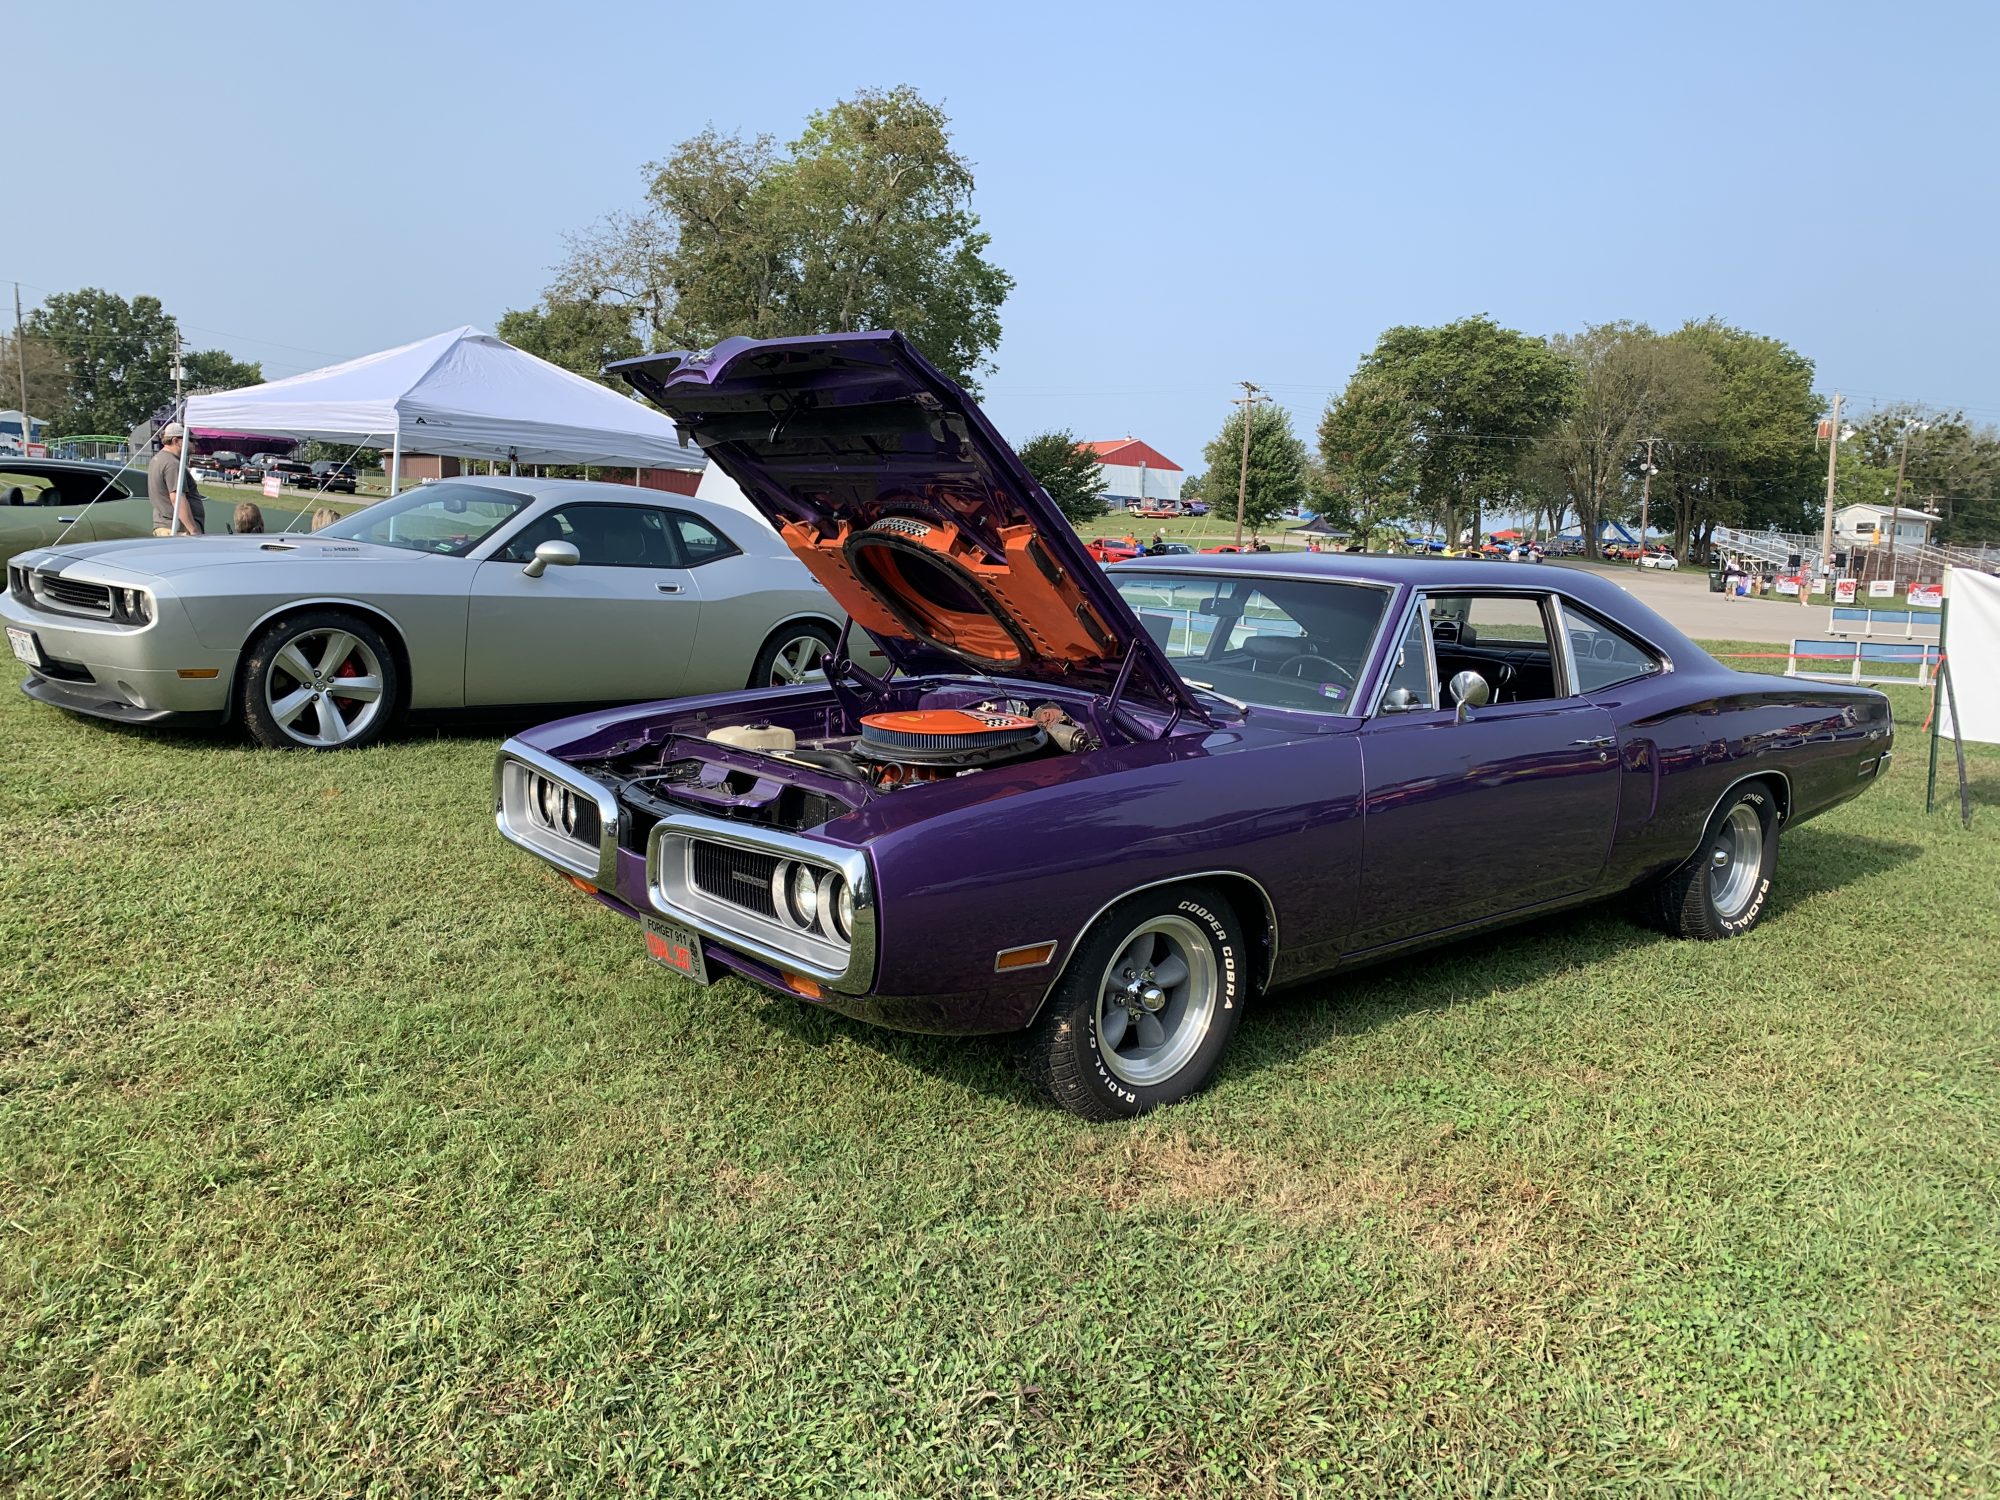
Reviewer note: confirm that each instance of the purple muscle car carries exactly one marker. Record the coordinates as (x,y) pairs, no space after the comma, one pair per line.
(1110,807)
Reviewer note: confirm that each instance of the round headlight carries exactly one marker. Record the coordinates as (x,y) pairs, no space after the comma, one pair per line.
(555,806)
(805,894)
(842,904)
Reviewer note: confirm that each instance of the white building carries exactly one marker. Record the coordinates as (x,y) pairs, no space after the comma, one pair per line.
(1868,525)
(1134,470)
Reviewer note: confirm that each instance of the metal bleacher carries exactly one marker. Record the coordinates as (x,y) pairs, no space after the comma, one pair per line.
(1909,662)
(1902,624)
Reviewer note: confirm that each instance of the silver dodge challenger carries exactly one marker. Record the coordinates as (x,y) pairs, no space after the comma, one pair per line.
(463,593)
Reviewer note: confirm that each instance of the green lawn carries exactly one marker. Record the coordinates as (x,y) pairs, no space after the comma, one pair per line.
(344,1150)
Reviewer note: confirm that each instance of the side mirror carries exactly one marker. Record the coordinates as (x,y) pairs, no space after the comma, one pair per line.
(1469,691)
(1398,701)
(561,554)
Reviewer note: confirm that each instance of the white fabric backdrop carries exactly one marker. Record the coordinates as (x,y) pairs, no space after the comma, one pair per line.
(1972,640)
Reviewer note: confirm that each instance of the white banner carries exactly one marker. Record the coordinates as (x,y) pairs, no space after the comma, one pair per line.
(1972,646)
(1882,588)
(1924,595)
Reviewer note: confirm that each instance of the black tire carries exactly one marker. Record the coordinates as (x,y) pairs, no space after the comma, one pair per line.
(783,651)
(1072,1053)
(1721,892)
(291,660)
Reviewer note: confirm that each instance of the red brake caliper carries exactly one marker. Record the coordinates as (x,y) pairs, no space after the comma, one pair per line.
(346,669)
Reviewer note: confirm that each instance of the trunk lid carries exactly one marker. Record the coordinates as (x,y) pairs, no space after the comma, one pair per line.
(895,491)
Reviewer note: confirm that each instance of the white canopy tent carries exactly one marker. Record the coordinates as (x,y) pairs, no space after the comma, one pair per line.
(463,393)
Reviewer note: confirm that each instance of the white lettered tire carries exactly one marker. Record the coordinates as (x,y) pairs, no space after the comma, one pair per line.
(1146,1005)
(1722,891)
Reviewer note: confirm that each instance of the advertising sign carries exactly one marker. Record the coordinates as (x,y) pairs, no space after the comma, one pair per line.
(1819,585)
(1843,591)
(1927,595)
(38,450)
(1788,586)
(1882,588)
(273,485)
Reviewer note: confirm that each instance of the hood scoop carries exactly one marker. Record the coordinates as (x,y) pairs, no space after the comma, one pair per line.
(277,546)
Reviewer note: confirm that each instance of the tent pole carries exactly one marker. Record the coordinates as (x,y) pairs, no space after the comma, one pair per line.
(1938,699)
(180,477)
(396,458)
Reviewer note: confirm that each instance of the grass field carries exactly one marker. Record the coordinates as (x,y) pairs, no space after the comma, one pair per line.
(343,1151)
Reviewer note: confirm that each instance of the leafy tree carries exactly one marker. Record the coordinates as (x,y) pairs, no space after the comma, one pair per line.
(1278,469)
(341,453)
(1193,487)
(120,357)
(1952,467)
(215,370)
(862,222)
(579,336)
(1463,403)
(47,377)
(1367,463)
(1068,471)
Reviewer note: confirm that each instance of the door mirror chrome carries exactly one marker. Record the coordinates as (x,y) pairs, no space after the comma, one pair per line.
(561,554)
(1399,701)
(1469,691)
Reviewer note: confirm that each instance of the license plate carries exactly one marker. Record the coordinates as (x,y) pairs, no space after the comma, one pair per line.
(677,948)
(25,646)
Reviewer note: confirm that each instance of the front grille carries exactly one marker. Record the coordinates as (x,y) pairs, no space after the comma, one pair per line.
(73,595)
(742,877)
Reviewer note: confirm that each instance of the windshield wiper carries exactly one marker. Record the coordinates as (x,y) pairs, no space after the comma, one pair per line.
(1236,703)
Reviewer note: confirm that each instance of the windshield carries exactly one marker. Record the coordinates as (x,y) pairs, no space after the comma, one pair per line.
(447,518)
(1265,642)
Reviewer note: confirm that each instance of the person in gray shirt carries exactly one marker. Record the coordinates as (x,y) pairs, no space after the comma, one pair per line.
(187,518)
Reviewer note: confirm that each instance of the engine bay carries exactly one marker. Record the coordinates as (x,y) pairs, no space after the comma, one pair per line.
(802,768)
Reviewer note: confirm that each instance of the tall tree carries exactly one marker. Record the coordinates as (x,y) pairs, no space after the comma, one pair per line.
(215,370)
(1194,487)
(580,336)
(1278,470)
(120,357)
(1950,466)
(862,222)
(1068,471)
(1367,459)
(47,376)
(1464,403)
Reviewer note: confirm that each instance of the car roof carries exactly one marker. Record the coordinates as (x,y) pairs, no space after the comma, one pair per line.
(573,489)
(17,465)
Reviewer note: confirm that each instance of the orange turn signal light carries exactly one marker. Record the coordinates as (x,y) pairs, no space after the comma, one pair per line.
(198,672)
(1033,956)
(804,986)
(583,885)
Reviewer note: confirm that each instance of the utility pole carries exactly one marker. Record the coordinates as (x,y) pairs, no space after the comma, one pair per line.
(1896,504)
(1832,472)
(1648,469)
(21,365)
(1250,400)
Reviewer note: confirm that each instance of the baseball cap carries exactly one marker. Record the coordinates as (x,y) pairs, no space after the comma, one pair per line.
(171,431)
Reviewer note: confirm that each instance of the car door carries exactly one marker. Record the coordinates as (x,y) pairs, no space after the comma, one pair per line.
(1513,806)
(619,624)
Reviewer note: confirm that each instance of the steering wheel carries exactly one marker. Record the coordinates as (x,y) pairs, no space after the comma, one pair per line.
(1300,663)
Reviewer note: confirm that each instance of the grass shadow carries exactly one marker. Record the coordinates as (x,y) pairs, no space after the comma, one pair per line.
(1300,1019)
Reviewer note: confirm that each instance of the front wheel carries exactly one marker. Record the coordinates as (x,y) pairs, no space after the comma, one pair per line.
(320,680)
(1721,891)
(791,653)
(1145,1008)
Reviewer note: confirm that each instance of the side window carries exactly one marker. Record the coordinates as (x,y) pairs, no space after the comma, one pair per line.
(701,542)
(1505,638)
(1410,685)
(605,536)
(1603,655)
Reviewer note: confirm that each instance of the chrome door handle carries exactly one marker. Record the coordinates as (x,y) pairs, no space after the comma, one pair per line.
(1602,742)
(668,588)
(65,520)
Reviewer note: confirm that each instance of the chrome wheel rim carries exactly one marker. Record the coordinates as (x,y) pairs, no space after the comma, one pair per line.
(1736,860)
(1156,1000)
(324,687)
(795,658)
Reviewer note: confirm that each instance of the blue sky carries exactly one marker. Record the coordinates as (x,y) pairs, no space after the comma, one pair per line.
(1187,196)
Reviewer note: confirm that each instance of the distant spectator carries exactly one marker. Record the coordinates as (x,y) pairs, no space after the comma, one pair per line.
(182,516)
(249,520)
(324,517)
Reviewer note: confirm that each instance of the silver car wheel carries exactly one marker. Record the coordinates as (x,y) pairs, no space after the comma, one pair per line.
(795,659)
(324,687)
(1156,1001)
(1736,861)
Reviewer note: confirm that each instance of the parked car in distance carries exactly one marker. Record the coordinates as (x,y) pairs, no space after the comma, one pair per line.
(1197,507)
(1658,557)
(80,500)
(1168,549)
(465,593)
(328,475)
(1110,549)
(1109,809)
(292,473)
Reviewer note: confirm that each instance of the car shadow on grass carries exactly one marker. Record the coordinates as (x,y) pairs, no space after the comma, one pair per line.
(1301,1019)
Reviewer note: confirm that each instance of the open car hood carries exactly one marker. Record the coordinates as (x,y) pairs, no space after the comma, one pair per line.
(896,492)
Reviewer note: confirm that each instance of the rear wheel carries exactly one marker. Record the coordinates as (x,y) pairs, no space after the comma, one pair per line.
(320,680)
(1145,1008)
(791,653)
(1722,890)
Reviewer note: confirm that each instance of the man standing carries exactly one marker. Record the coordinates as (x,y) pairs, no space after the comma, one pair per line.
(170,518)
